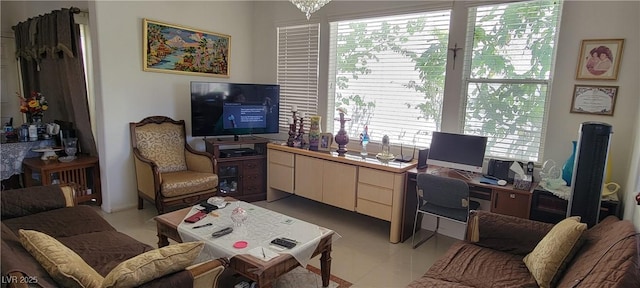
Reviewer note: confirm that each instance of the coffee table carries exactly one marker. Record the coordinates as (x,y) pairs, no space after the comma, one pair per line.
(264,273)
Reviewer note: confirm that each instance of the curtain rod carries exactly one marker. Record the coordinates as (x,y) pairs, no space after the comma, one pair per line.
(74,10)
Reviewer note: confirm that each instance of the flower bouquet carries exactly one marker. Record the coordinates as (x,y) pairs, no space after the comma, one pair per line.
(34,106)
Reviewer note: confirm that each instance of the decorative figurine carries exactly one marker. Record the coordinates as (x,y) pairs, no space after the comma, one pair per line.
(342,138)
(364,140)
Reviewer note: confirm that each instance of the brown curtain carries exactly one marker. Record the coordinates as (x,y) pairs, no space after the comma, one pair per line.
(48,47)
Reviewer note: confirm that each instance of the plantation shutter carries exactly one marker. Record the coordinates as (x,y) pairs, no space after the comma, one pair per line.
(298,70)
(509,58)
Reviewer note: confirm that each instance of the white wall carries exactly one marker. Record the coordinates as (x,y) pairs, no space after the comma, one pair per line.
(125,93)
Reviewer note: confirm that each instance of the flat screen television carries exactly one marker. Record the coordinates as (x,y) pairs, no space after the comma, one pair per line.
(219,108)
(457,151)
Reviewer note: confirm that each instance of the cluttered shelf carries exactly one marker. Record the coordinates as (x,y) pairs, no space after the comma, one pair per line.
(547,207)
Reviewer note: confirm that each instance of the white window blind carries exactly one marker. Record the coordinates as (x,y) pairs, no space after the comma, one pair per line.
(298,70)
(388,72)
(510,55)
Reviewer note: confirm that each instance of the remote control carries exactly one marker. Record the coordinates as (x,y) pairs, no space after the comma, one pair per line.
(284,242)
(222,232)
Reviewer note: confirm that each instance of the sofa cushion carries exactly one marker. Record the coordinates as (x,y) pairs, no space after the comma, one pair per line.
(32,200)
(62,222)
(64,265)
(17,259)
(163,144)
(106,249)
(608,258)
(434,283)
(153,264)
(556,249)
(471,265)
(187,182)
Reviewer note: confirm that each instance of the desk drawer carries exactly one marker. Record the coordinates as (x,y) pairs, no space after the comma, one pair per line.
(375,177)
(511,203)
(282,158)
(374,209)
(375,194)
(252,166)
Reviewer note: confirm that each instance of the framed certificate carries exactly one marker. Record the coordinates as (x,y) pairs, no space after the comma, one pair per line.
(590,99)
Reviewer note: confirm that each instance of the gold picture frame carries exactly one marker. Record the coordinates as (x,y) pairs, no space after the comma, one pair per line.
(599,59)
(592,99)
(326,140)
(170,48)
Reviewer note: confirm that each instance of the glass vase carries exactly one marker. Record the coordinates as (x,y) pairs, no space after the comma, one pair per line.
(314,132)
(238,216)
(567,168)
(342,138)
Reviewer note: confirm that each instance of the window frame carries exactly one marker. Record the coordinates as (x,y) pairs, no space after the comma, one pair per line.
(467,80)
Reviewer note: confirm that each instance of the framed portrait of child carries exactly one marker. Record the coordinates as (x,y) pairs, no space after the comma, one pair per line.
(326,139)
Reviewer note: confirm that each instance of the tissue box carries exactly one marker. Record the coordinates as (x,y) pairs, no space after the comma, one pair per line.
(522,182)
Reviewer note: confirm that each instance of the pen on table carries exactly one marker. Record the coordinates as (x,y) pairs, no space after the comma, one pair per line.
(204,225)
(263,256)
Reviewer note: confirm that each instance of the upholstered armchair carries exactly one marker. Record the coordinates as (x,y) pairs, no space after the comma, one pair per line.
(168,171)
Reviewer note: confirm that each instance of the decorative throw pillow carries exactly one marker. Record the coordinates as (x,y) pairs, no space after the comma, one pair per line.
(153,264)
(65,266)
(554,251)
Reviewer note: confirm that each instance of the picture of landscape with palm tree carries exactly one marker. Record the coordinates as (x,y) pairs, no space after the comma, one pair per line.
(172,48)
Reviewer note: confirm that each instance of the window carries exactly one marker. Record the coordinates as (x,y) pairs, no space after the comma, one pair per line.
(389,74)
(510,52)
(298,70)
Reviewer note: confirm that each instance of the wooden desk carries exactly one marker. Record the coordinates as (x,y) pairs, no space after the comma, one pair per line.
(366,186)
(504,199)
(83,171)
(264,273)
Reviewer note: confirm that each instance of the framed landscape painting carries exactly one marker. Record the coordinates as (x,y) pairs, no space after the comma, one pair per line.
(176,49)
(599,59)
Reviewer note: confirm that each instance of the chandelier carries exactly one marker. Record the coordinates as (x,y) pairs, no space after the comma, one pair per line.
(309,6)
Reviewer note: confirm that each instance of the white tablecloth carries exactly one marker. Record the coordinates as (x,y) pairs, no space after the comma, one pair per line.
(14,153)
(261,226)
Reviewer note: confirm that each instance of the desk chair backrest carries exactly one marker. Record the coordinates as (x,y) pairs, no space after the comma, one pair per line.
(442,191)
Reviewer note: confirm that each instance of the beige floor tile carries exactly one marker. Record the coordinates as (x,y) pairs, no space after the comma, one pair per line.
(363,255)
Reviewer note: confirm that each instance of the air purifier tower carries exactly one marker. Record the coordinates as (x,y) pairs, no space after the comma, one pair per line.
(588,171)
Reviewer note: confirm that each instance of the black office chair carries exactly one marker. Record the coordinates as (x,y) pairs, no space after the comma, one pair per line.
(442,197)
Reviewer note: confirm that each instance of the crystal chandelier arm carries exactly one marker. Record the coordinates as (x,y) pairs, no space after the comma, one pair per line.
(309,6)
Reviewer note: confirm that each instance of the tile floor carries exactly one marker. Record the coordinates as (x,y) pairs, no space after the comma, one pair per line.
(363,256)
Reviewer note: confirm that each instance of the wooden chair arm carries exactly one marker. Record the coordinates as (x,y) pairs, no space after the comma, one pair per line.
(206,274)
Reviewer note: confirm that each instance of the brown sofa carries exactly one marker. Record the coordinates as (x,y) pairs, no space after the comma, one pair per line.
(608,256)
(50,209)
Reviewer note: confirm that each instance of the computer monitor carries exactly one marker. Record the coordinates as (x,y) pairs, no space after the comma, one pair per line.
(457,151)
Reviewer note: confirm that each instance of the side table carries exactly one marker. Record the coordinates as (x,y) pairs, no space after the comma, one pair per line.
(83,171)
(549,208)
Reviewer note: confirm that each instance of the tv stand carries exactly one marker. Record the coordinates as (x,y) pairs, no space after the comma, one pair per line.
(241,170)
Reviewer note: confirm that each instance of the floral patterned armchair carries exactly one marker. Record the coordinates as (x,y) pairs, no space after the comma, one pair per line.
(168,171)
